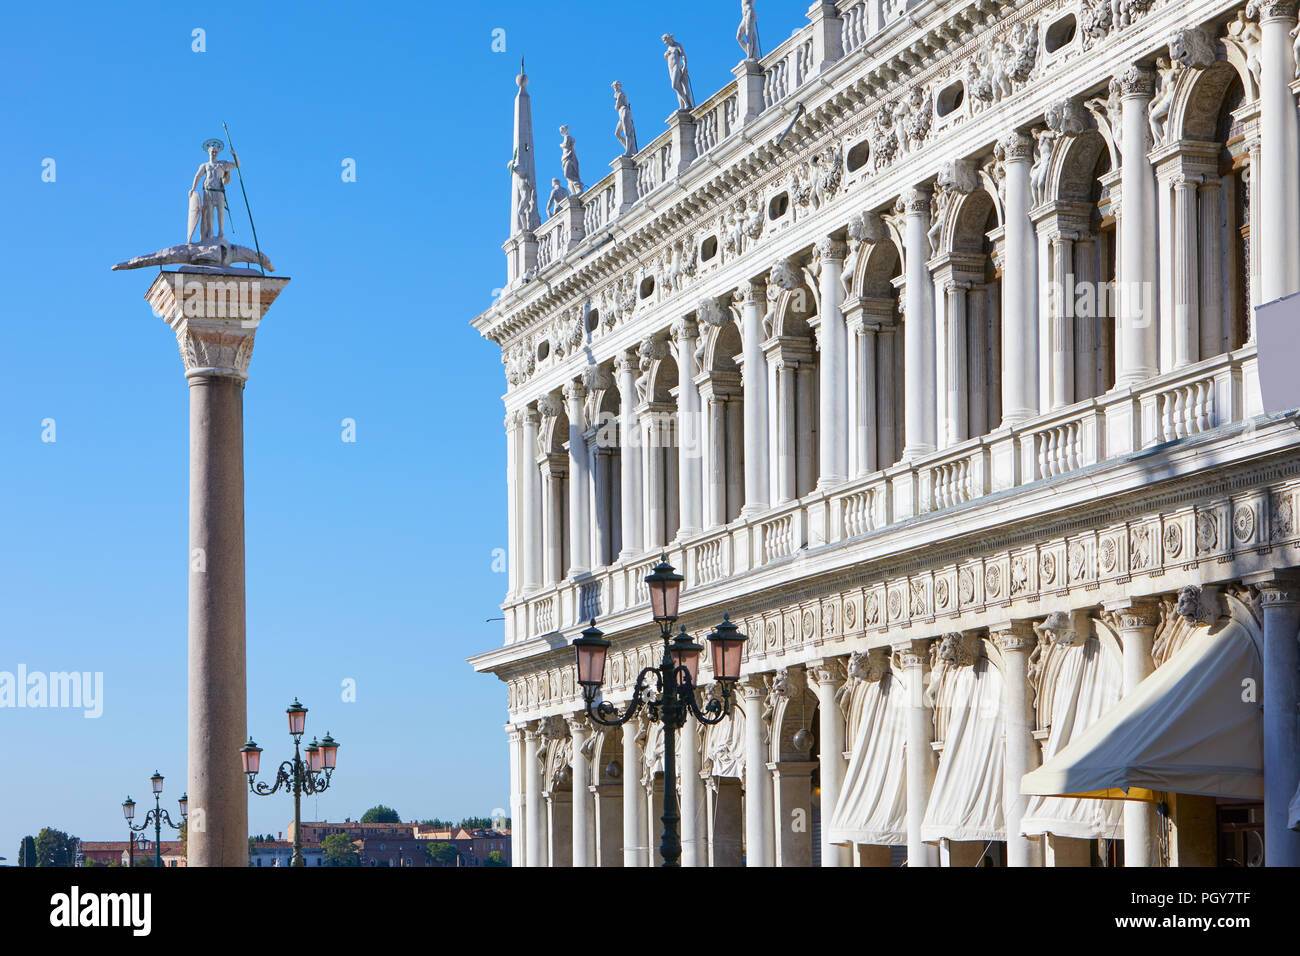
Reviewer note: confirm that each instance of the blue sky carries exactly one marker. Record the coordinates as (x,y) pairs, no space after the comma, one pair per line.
(369,561)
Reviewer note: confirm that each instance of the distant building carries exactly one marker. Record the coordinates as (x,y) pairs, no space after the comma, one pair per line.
(108,853)
(475,846)
(280,853)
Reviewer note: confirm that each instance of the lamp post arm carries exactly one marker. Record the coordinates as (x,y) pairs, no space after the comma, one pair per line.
(714,712)
(283,778)
(607,715)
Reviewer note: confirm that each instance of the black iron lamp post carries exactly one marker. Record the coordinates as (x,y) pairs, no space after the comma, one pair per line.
(310,776)
(157,816)
(667,691)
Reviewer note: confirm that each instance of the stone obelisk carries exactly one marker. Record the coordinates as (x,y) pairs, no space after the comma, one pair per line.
(215,318)
(214,304)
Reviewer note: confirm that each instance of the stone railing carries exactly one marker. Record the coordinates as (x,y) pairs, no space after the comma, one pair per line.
(552,240)
(1121,422)
(654,165)
(598,205)
(715,120)
(787,68)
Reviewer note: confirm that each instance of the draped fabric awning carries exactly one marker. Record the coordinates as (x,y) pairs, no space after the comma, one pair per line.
(872,805)
(966,799)
(1191,727)
(1293,813)
(1086,686)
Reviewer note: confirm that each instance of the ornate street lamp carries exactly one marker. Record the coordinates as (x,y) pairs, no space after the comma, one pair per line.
(157,816)
(672,696)
(311,776)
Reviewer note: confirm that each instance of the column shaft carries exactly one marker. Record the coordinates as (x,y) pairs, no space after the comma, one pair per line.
(833,435)
(634,822)
(630,462)
(1281,606)
(1019,287)
(920,422)
(760,833)
(531,492)
(1279,181)
(579,484)
(919,755)
(1137,626)
(1016,641)
(1136,316)
(1210,272)
(1187,283)
(533,849)
(583,850)
(829,679)
(754,378)
(1062,322)
(690,446)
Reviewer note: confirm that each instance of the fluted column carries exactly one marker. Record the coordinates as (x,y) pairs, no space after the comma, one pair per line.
(1019,286)
(692,802)
(515,743)
(1211,270)
(828,678)
(717,479)
(956,364)
(690,439)
(832,337)
(1280,601)
(977,340)
(532,798)
(656,484)
(788,443)
(920,417)
(887,362)
(635,852)
(1136,324)
(514,440)
(751,300)
(1136,622)
(579,482)
(530,532)
(1017,640)
(1187,283)
(1279,180)
(1086,327)
(760,829)
(630,460)
(921,764)
(583,849)
(1062,343)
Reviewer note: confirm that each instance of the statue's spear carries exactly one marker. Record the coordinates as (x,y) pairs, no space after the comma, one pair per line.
(246,205)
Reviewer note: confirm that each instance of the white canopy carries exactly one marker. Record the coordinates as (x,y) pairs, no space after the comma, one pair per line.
(1086,686)
(966,799)
(1191,727)
(872,805)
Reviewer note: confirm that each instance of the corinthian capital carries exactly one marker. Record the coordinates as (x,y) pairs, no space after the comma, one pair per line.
(832,249)
(1017,147)
(752,291)
(215,318)
(1137,81)
(1272,10)
(914,202)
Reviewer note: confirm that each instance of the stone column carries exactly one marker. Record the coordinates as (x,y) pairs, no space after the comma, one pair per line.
(1187,284)
(1279,181)
(583,851)
(760,832)
(958,388)
(833,369)
(1062,343)
(805,422)
(920,758)
(656,487)
(555,468)
(1017,640)
(718,463)
(1019,287)
(1211,270)
(514,438)
(533,849)
(579,482)
(977,337)
(1087,383)
(515,739)
(215,319)
(531,491)
(634,821)
(1280,600)
(1136,622)
(690,431)
(1136,325)
(788,445)
(630,457)
(692,802)
(828,678)
(920,420)
(751,299)
(886,390)
(604,489)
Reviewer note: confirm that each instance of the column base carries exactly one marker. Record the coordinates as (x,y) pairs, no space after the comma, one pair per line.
(753,511)
(828,482)
(913,452)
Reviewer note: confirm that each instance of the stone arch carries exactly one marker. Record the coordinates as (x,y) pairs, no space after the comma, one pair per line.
(967,224)
(877,270)
(722,344)
(792,714)
(792,311)
(1073,173)
(1198,98)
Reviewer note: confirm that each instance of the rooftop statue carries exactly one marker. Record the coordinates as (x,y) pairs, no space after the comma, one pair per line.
(747,32)
(207,198)
(677,73)
(625,131)
(558,195)
(569,161)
